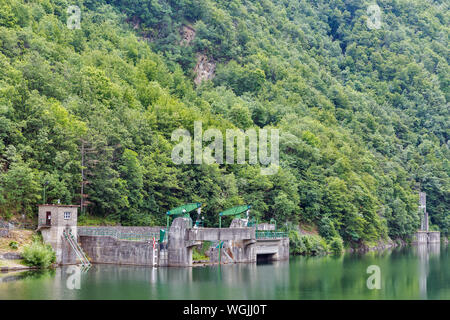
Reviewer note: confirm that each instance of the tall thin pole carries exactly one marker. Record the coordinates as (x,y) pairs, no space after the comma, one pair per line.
(166,235)
(82,176)
(220,242)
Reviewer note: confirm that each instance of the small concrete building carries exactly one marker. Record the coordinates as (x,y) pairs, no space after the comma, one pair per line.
(56,220)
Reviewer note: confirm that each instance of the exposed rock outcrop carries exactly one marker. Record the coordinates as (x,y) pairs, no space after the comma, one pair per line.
(187,35)
(204,69)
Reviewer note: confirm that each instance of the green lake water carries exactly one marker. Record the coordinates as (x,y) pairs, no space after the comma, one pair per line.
(418,272)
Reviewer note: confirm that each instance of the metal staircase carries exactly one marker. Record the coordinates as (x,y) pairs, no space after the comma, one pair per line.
(77,249)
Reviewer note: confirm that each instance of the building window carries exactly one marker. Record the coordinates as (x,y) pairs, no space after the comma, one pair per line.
(66,215)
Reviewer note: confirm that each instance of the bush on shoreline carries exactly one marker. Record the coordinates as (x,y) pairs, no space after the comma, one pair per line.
(38,254)
(336,245)
(306,244)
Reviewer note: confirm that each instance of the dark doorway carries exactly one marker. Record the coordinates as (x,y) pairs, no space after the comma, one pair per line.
(264,258)
(48,218)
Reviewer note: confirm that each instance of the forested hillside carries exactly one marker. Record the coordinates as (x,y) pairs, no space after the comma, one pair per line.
(363,113)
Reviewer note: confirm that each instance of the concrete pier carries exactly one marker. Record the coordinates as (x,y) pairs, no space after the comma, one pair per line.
(424,237)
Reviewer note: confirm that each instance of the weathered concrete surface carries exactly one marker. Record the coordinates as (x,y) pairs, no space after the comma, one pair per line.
(4,233)
(106,249)
(214,234)
(422,237)
(4,228)
(53,233)
(179,249)
(68,255)
(246,248)
(239,243)
(278,249)
(235,252)
(434,237)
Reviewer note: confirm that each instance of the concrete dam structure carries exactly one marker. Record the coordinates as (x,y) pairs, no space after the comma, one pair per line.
(424,235)
(151,246)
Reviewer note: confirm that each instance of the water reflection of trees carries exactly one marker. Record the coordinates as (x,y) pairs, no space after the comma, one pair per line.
(29,274)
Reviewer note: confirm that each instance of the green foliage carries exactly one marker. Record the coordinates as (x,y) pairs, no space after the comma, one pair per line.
(336,245)
(199,253)
(39,255)
(306,244)
(326,228)
(362,114)
(13,245)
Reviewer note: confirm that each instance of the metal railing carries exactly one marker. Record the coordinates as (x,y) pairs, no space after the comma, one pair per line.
(269,234)
(44,222)
(77,249)
(131,236)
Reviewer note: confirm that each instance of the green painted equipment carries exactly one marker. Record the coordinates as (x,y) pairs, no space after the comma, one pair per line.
(182,211)
(235,212)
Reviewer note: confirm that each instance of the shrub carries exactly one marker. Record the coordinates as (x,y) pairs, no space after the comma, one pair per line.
(315,245)
(306,244)
(13,245)
(327,229)
(198,255)
(39,255)
(336,245)
(296,246)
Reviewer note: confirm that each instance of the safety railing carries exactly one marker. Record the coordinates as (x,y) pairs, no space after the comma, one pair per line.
(131,236)
(77,249)
(269,234)
(43,222)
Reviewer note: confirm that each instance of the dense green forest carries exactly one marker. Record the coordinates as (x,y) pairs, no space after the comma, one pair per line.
(363,114)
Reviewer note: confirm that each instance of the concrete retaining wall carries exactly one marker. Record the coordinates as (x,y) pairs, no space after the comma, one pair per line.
(234,252)
(240,245)
(4,233)
(106,249)
(4,229)
(422,237)
(434,237)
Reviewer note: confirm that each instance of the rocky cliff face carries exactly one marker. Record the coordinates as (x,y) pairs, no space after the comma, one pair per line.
(187,35)
(204,69)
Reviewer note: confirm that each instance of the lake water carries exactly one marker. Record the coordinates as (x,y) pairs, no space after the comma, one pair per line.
(418,272)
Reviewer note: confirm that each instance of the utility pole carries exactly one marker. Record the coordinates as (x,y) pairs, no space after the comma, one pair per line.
(82,177)
(85,164)
(45,187)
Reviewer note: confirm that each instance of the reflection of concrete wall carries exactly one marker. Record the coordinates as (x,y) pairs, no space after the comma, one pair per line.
(434,249)
(425,252)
